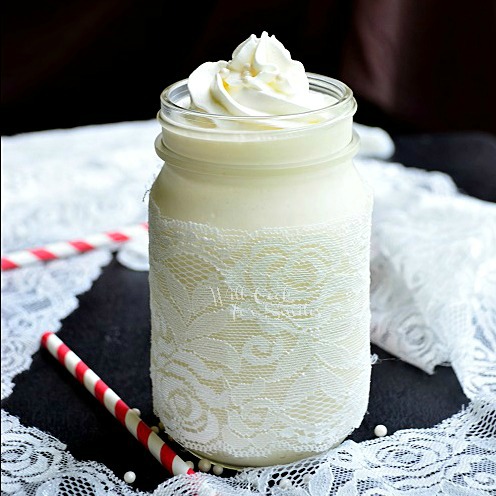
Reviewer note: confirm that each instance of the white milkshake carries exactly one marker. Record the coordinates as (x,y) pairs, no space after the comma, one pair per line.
(259,261)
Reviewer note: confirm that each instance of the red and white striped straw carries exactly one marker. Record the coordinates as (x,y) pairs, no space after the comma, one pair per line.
(65,249)
(108,398)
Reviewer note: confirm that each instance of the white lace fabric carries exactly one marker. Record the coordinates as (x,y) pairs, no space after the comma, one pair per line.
(434,275)
(433,266)
(232,309)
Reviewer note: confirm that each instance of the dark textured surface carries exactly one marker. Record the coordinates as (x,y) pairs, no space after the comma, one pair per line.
(110,331)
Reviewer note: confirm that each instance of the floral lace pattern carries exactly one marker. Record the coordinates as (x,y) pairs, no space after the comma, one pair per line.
(454,458)
(218,381)
(35,463)
(36,299)
(42,202)
(435,304)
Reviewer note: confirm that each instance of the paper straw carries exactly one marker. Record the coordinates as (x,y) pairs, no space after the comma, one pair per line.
(65,249)
(108,398)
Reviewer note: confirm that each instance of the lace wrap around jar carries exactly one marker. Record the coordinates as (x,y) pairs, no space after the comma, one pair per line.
(259,280)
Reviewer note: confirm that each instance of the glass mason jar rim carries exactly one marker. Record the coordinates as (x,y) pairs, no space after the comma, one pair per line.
(324,84)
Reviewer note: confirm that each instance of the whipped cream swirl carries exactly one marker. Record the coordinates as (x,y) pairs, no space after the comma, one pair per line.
(260,80)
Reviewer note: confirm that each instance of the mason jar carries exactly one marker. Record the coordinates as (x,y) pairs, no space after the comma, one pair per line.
(259,280)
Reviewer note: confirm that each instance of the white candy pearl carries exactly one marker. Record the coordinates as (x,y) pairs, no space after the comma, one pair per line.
(190,464)
(306,478)
(217,469)
(138,411)
(204,465)
(285,483)
(129,477)
(155,429)
(380,430)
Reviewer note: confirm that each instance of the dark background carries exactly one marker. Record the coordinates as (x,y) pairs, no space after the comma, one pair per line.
(415,65)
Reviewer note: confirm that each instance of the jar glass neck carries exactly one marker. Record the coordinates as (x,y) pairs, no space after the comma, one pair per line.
(173,159)
(257,142)
(175,110)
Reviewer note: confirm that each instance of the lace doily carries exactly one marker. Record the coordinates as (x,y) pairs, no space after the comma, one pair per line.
(433,303)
